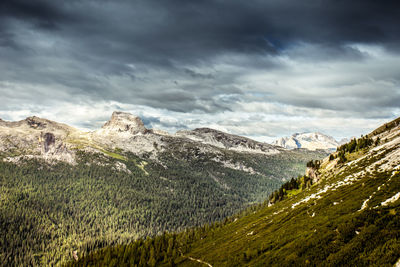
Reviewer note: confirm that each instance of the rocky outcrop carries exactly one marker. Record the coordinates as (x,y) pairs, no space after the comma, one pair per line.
(313,174)
(35,122)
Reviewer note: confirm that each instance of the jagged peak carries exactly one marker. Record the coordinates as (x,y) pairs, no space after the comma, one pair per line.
(125,122)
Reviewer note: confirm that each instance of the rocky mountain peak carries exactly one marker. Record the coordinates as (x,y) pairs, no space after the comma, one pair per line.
(310,141)
(125,122)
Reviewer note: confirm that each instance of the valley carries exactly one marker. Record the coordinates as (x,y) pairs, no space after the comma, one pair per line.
(349,216)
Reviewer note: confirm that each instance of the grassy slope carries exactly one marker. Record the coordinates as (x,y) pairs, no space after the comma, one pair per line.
(320,231)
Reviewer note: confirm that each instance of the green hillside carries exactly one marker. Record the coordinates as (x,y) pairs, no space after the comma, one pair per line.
(350,217)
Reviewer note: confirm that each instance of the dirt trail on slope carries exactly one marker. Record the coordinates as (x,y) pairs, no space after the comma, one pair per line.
(198,260)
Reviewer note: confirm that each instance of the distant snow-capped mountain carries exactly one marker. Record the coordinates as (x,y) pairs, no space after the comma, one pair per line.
(310,141)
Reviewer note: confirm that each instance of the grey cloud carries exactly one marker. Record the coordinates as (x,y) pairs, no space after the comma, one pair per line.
(194,74)
(326,52)
(205,57)
(157,122)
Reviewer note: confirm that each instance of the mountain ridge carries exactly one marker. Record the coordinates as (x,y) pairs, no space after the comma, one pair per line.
(123,131)
(228,141)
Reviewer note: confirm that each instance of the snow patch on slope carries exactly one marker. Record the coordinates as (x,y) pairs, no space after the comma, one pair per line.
(391,200)
(330,187)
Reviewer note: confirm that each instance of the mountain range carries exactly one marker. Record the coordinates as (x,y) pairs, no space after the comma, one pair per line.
(64,190)
(42,138)
(310,141)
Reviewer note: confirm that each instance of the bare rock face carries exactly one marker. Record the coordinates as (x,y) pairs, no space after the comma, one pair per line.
(48,140)
(53,149)
(124,122)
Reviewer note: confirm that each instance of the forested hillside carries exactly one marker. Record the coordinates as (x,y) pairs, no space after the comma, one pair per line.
(49,210)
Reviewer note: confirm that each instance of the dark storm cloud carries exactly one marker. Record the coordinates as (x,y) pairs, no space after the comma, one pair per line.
(41,13)
(164,31)
(190,30)
(161,53)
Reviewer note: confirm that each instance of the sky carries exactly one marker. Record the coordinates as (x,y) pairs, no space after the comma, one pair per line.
(262,69)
